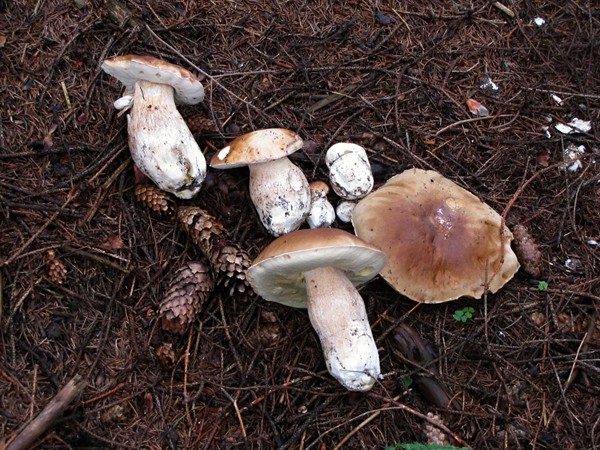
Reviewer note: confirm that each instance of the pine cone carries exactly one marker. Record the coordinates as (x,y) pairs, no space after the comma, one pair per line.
(57,272)
(433,435)
(226,256)
(155,199)
(188,290)
(165,355)
(527,251)
(201,124)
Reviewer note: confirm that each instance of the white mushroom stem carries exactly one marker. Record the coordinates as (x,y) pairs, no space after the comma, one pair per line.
(280,193)
(161,144)
(338,315)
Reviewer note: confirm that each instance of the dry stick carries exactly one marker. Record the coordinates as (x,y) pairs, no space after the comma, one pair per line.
(53,410)
(118,387)
(186,365)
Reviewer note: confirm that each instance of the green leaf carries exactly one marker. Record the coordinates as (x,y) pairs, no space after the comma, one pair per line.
(407,381)
(464,314)
(419,446)
(542,285)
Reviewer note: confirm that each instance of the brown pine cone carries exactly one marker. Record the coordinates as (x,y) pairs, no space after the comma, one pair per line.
(57,272)
(188,290)
(201,124)
(165,355)
(226,256)
(527,251)
(155,199)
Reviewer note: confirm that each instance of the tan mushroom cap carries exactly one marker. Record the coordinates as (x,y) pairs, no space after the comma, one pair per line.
(277,273)
(442,242)
(257,147)
(129,69)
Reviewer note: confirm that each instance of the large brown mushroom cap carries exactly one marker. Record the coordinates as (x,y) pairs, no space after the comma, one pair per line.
(441,241)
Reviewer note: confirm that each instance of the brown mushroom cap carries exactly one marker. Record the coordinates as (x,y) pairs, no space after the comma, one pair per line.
(277,273)
(257,147)
(129,69)
(441,241)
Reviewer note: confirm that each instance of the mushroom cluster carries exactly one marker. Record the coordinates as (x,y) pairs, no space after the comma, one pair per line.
(432,240)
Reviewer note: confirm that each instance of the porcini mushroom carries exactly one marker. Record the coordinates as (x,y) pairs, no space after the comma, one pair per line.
(344,209)
(349,170)
(160,142)
(442,242)
(318,269)
(321,212)
(278,188)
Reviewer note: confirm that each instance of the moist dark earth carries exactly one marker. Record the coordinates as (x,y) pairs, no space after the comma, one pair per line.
(84,264)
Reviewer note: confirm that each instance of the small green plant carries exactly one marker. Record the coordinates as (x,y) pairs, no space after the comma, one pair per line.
(542,285)
(407,381)
(419,446)
(462,315)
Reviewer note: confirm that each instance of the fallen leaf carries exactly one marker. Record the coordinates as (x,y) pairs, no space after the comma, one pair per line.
(113,242)
(477,108)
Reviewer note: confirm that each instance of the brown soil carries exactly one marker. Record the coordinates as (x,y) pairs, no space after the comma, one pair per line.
(84,266)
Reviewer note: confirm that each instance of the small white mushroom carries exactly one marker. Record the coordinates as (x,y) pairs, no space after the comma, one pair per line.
(318,269)
(349,170)
(344,210)
(161,144)
(278,188)
(321,212)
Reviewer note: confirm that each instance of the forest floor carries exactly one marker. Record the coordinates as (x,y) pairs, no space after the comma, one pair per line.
(394,77)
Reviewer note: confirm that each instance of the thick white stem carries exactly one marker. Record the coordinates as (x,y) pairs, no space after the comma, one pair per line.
(338,315)
(281,195)
(161,144)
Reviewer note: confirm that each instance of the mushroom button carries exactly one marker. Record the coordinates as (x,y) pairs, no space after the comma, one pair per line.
(442,242)
(349,170)
(344,210)
(321,212)
(318,269)
(278,189)
(160,142)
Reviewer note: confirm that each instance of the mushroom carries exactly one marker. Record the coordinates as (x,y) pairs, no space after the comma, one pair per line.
(318,269)
(442,242)
(278,189)
(160,142)
(349,170)
(321,212)
(344,209)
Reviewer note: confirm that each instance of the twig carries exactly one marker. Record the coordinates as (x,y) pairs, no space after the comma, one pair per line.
(473,119)
(53,410)
(118,387)
(98,259)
